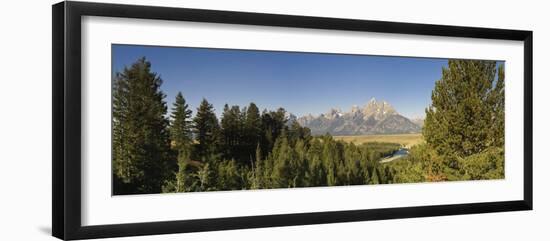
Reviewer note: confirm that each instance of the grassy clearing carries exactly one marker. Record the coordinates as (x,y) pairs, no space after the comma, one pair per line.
(407,140)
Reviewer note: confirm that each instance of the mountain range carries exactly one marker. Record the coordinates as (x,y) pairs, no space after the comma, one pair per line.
(375,117)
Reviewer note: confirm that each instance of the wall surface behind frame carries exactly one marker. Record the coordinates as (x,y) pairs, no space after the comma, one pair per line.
(25,120)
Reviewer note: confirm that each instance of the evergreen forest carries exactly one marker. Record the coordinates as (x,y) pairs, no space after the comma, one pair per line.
(160,147)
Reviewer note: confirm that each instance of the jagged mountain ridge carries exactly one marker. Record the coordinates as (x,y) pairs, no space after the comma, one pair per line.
(376,117)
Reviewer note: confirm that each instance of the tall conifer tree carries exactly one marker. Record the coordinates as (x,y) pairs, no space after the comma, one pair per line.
(141,148)
(467,106)
(180,130)
(253,127)
(232,131)
(181,124)
(207,131)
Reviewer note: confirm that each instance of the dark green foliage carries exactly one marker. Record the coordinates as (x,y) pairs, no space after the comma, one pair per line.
(207,132)
(426,165)
(485,165)
(317,174)
(252,129)
(232,124)
(273,123)
(299,164)
(466,103)
(205,178)
(463,129)
(255,175)
(322,162)
(229,176)
(464,132)
(181,124)
(142,158)
(282,156)
(241,133)
(297,132)
(181,136)
(423,164)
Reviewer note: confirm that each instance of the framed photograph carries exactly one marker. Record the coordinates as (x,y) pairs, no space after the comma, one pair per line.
(170,120)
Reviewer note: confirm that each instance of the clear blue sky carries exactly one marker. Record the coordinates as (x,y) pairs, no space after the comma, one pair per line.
(302,83)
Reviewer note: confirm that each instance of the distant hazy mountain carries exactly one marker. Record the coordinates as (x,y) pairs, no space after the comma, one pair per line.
(376,117)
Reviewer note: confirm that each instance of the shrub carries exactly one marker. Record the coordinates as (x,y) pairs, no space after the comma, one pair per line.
(488,164)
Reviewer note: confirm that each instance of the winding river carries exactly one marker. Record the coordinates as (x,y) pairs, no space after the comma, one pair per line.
(402,152)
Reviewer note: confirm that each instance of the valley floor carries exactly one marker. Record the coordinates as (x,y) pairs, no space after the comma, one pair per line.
(407,140)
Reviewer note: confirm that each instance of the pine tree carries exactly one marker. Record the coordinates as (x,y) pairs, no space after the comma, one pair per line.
(273,124)
(330,159)
(366,178)
(252,128)
(267,139)
(298,164)
(282,154)
(352,165)
(256,174)
(228,176)
(204,177)
(374,179)
(467,109)
(258,152)
(182,183)
(141,147)
(181,124)
(207,131)
(181,135)
(231,130)
(297,132)
(316,175)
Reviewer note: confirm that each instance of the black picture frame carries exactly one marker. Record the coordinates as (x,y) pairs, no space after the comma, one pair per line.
(66,184)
